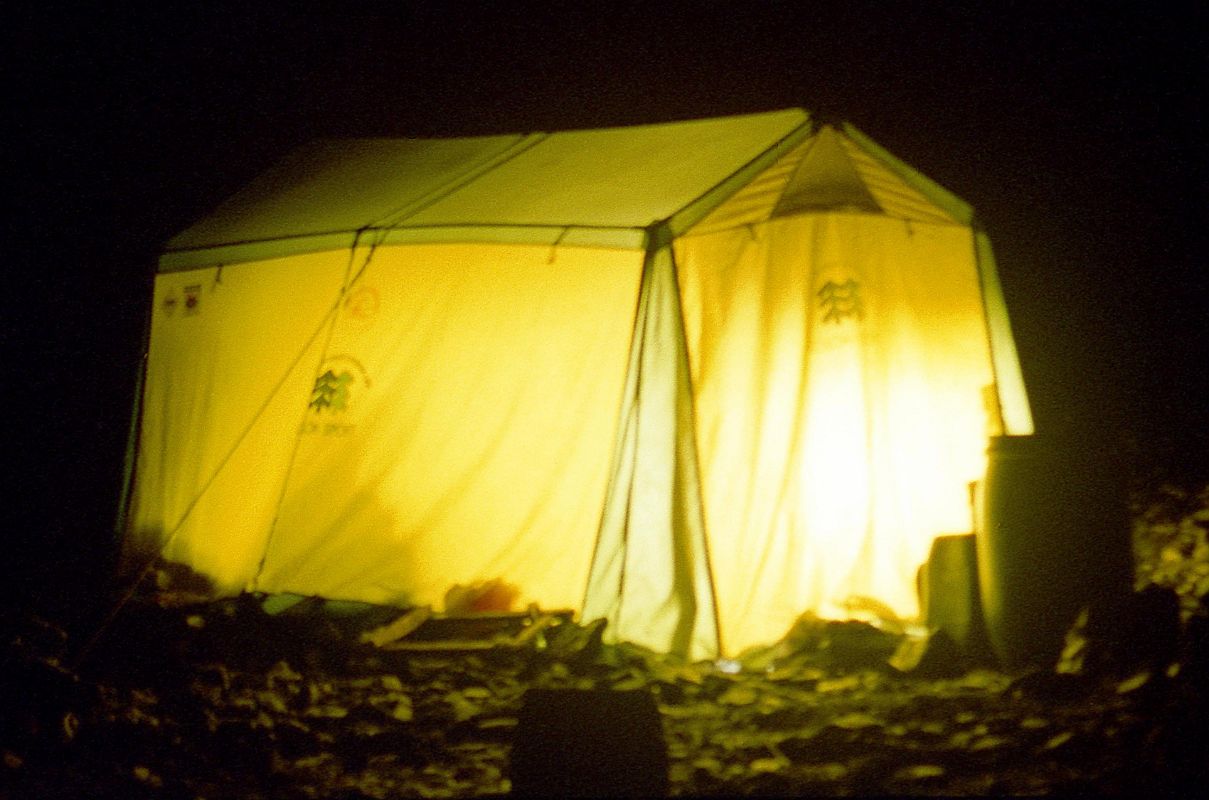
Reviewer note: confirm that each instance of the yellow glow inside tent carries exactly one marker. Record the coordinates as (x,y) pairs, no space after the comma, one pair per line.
(481,449)
(837,439)
(477,407)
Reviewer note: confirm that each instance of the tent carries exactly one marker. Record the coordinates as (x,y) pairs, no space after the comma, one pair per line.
(695,378)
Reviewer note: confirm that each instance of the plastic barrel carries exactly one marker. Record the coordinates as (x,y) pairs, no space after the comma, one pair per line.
(949,593)
(1053,537)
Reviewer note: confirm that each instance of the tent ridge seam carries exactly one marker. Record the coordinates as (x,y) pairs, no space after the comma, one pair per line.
(460,182)
(568,226)
(755,165)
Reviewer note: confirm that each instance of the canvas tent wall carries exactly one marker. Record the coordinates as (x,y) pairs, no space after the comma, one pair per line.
(696,377)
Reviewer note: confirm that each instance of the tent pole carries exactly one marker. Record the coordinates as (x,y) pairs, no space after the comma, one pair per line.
(980,271)
(130,458)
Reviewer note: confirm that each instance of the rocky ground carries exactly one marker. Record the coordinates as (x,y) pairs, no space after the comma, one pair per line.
(225,700)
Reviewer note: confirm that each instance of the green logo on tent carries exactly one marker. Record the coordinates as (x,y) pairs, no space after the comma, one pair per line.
(334,398)
(331,391)
(840,300)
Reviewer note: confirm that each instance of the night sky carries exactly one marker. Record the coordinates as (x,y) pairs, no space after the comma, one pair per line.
(1079,140)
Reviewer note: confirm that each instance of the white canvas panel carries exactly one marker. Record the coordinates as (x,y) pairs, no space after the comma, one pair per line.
(231,360)
(839,363)
(461,427)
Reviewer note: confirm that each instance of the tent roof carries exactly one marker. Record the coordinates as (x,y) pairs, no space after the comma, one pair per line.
(600,187)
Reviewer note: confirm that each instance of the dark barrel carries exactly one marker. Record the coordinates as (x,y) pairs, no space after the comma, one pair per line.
(589,743)
(1053,537)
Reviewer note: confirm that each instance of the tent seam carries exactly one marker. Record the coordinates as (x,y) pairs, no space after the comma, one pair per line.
(564,230)
(979,268)
(692,407)
(753,167)
(619,456)
(330,321)
(459,183)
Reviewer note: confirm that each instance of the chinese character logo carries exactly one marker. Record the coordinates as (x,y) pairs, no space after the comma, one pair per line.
(331,391)
(336,397)
(840,301)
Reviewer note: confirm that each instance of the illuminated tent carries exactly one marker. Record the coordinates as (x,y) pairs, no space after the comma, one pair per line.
(695,378)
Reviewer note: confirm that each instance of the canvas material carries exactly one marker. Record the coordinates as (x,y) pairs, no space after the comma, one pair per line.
(1016,416)
(829,171)
(341,186)
(231,352)
(698,472)
(651,569)
(600,187)
(471,407)
(836,437)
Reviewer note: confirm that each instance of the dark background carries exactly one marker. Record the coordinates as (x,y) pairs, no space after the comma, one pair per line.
(1076,132)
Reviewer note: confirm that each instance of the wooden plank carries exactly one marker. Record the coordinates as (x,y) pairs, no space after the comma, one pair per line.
(530,632)
(442,646)
(399,629)
(394,636)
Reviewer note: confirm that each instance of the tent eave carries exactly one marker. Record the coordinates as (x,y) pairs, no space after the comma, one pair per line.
(612,238)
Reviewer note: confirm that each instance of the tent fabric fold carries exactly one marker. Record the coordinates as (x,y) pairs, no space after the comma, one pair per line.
(694,378)
(651,572)
(838,363)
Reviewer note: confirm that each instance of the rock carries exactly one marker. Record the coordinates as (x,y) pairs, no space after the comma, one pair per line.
(294,741)
(1119,638)
(855,645)
(738,696)
(1195,652)
(385,723)
(575,744)
(1050,687)
(577,643)
(855,720)
(831,744)
(934,655)
(787,717)
(919,772)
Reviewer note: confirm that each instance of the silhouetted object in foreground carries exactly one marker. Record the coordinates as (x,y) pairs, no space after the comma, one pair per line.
(1121,638)
(1053,537)
(576,743)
